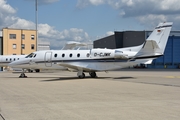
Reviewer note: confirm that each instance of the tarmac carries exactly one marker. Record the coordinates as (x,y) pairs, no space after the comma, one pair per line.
(116,95)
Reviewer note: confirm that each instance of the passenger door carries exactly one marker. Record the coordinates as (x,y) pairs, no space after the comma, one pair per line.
(48,58)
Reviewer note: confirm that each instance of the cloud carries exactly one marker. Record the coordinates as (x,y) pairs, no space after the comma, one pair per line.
(146,11)
(137,7)
(109,33)
(84,3)
(46,32)
(6,8)
(6,13)
(59,38)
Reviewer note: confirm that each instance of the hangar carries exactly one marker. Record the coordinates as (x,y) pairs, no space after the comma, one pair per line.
(171,58)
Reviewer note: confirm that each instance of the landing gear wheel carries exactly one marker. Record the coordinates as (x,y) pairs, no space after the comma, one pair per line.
(93,74)
(22,75)
(81,76)
(29,70)
(37,70)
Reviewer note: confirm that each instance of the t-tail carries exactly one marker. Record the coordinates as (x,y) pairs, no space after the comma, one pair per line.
(155,44)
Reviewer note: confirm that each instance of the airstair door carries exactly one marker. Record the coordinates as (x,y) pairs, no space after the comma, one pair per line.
(48,58)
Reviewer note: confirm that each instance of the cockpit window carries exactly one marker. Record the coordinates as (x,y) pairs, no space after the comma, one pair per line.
(30,55)
(35,55)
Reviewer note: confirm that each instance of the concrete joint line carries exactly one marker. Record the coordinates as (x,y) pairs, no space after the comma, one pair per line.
(2,117)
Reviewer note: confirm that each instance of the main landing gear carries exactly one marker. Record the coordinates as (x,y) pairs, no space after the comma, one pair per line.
(93,74)
(23,74)
(36,70)
(81,75)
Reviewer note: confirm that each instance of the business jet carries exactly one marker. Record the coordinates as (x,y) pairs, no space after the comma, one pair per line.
(95,60)
(6,59)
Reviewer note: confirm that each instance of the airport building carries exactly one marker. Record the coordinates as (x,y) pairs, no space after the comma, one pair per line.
(18,41)
(171,58)
(43,45)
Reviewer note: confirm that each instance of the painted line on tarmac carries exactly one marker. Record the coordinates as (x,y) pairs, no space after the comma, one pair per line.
(172,76)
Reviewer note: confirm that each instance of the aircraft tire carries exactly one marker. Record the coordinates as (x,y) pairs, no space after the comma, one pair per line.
(37,70)
(93,74)
(82,76)
(29,70)
(22,75)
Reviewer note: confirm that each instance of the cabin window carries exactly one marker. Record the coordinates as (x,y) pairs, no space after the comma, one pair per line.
(18,59)
(87,55)
(63,55)
(70,55)
(55,55)
(14,59)
(10,59)
(6,59)
(34,55)
(78,55)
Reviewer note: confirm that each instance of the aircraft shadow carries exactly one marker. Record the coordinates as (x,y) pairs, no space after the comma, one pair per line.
(72,78)
(124,78)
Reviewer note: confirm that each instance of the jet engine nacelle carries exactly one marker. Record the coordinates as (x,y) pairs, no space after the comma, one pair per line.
(98,53)
(120,55)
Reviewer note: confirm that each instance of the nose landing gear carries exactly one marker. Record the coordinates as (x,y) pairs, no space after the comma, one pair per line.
(23,74)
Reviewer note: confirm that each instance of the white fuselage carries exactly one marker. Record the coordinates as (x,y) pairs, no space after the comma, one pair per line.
(87,60)
(6,59)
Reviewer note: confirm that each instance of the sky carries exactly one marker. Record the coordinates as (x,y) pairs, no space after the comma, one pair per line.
(60,21)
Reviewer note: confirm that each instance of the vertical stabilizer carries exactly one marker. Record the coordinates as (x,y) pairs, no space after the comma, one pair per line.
(155,44)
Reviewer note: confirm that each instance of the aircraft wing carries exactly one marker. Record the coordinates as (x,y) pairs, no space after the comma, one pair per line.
(89,66)
(78,66)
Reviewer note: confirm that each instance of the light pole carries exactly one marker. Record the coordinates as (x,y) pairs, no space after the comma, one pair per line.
(36,4)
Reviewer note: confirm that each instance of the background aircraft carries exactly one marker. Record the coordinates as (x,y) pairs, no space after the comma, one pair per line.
(6,59)
(95,60)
